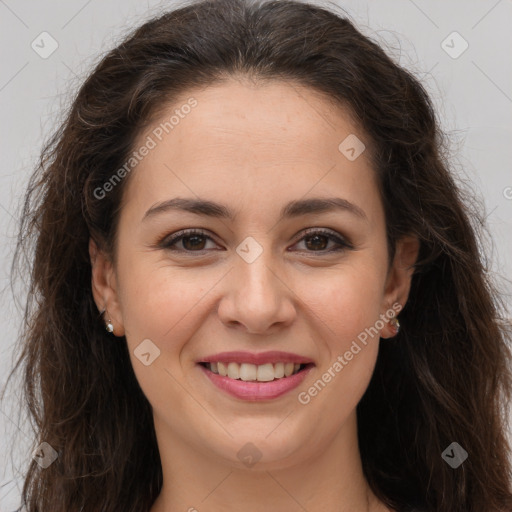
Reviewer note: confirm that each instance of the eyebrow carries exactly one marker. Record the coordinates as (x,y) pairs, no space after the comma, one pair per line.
(292,209)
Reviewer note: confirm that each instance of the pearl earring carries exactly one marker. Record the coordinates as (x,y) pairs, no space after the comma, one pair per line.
(396,325)
(108,324)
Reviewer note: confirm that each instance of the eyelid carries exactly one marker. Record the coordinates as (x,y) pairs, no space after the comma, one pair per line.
(341,240)
(168,240)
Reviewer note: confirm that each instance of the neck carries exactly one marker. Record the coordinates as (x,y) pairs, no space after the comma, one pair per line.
(330,480)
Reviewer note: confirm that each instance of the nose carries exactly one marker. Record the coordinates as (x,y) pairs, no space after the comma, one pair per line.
(257,298)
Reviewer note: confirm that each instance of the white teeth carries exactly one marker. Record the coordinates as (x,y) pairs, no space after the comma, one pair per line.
(279,370)
(222,369)
(247,371)
(251,372)
(233,371)
(265,372)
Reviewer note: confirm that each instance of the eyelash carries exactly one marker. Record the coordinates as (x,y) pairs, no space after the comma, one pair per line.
(168,241)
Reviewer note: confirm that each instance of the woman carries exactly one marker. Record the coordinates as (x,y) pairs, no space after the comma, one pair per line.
(256,284)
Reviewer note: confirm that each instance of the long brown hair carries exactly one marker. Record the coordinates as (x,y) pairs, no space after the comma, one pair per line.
(445,378)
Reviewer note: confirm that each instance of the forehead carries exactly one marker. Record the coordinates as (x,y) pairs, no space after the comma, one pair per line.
(271,114)
(239,139)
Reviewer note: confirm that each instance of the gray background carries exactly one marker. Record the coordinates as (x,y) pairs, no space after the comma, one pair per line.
(472,93)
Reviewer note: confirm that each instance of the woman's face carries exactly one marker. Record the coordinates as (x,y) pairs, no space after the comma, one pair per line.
(275,167)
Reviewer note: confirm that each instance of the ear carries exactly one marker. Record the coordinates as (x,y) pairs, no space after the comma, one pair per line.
(398,281)
(104,287)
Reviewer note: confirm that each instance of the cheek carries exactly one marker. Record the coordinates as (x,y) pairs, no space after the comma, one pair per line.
(344,302)
(162,308)
(164,304)
(345,309)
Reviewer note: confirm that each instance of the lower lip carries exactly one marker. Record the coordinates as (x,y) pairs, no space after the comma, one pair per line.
(254,391)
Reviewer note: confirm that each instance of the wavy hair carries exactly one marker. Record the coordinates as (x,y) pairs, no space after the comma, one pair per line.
(446,377)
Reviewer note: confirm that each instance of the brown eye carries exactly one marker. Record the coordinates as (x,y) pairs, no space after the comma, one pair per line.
(191,241)
(317,240)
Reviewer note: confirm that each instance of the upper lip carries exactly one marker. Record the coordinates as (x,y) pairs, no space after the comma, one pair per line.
(256,358)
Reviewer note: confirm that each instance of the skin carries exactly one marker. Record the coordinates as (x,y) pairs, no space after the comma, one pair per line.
(254,147)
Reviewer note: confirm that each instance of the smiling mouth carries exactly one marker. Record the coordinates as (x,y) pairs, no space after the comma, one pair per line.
(255,373)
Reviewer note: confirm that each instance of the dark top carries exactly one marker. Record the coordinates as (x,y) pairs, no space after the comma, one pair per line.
(404,510)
